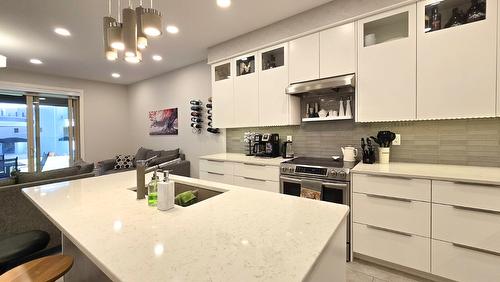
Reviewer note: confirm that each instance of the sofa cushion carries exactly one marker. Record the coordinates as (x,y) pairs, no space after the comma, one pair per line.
(142,153)
(124,162)
(27,177)
(7,181)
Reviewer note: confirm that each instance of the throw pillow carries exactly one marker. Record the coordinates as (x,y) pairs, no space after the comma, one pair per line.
(124,161)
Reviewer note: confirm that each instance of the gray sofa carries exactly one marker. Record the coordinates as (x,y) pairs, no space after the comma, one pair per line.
(18,214)
(182,167)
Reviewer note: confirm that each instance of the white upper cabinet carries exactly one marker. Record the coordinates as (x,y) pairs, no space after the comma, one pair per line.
(387,66)
(246,90)
(337,51)
(222,95)
(304,58)
(456,59)
(274,103)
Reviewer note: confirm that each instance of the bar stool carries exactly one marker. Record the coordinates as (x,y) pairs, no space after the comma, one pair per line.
(46,269)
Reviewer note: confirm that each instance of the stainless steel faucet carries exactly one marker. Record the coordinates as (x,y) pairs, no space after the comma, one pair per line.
(142,169)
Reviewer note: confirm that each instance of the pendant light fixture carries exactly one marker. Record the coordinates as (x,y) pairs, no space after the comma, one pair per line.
(151,22)
(115,36)
(142,40)
(3,61)
(129,31)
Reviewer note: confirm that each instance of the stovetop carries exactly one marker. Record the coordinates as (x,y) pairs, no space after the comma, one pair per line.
(324,168)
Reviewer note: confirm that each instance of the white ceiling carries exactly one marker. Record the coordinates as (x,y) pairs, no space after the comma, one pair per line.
(26,31)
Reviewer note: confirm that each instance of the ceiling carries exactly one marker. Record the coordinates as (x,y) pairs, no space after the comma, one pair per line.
(26,31)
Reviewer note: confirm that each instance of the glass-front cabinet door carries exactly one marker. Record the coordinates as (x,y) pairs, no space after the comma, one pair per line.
(222,95)
(387,66)
(456,55)
(246,90)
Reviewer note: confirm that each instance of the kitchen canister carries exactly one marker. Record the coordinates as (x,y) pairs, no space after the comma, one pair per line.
(383,155)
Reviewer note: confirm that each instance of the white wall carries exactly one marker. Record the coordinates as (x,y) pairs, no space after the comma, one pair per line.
(105,111)
(174,90)
(324,15)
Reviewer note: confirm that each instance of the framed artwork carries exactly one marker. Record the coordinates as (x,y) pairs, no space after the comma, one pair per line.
(163,122)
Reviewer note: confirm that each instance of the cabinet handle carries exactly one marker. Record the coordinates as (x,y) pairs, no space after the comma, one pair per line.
(214,161)
(250,178)
(388,198)
(477,184)
(215,173)
(475,210)
(253,164)
(476,249)
(389,230)
(389,176)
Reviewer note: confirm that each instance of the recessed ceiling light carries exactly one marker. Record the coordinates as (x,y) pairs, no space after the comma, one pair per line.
(62,31)
(3,61)
(172,29)
(115,75)
(157,58)
(36,61)
(224,3)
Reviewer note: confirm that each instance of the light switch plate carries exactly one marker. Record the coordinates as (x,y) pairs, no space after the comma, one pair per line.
(397,141)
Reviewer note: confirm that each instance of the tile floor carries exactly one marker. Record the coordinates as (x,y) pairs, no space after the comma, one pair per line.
(362,271)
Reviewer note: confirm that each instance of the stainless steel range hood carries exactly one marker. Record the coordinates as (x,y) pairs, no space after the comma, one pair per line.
(322,85)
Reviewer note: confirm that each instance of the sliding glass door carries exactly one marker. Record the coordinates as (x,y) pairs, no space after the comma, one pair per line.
(40,130)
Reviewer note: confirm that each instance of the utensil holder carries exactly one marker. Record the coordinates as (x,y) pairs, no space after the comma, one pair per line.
(384,155)
(369,158)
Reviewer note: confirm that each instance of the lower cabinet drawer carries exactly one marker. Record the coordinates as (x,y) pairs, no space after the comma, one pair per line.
(463,264)
(265,185)
(271,173)
(406,188)
(407,250)
(217,166)
(393,213)
(216,177)
(472,227)
(468,195)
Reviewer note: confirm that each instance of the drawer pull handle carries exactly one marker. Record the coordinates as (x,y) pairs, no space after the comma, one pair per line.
(476,184)
(389,230)
(389,176)
(214,161)
(215,173)
(255,179)
(253,164)
(475,210)
(389,198)
(476,249)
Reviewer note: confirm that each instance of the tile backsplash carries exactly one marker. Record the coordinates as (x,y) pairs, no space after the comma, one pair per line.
(459,142)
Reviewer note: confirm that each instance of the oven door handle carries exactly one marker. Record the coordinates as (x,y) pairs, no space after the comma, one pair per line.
(335,185)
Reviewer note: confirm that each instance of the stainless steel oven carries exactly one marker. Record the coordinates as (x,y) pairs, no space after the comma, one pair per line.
(330,179)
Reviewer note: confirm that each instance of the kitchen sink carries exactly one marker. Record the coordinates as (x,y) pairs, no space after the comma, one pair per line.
(203,194)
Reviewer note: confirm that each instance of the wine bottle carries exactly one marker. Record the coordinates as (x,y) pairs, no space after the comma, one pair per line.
(196,125)
(196,108)
(197,120)
(209,106)
(435,19)
(195,102)
(195,114)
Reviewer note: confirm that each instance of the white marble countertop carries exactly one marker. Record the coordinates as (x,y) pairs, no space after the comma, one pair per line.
(240,235)
(473,174)
(241,158)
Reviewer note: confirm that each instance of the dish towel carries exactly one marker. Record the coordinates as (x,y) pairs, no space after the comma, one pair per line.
(186,198)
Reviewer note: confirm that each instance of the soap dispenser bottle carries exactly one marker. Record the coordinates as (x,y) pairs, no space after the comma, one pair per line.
(153,190)
(166,193)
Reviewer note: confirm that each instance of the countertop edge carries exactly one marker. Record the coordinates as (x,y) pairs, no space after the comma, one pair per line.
(426,176)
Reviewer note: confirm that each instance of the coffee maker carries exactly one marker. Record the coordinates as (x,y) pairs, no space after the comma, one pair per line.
(259,146)
(271,145)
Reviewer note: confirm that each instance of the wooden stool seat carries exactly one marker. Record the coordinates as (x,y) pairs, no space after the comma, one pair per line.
(43,269)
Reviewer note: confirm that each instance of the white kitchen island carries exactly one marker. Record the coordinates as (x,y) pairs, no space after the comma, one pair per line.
(239,235)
